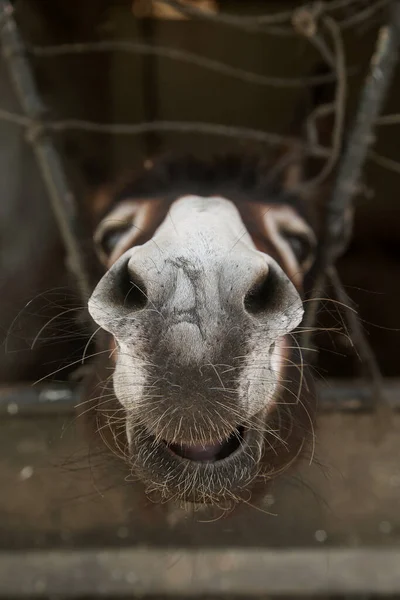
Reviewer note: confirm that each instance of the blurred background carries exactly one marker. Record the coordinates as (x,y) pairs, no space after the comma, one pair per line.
(58,493)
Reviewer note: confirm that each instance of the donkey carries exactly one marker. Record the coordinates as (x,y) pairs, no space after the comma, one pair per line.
(204,265)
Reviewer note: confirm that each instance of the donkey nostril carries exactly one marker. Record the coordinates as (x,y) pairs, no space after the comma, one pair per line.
(131,289)
(136,296)
(262,295)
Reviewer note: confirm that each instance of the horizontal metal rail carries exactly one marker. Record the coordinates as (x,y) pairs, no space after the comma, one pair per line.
(186,572)
(62,399)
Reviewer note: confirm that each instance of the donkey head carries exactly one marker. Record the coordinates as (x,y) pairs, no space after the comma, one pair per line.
(205,264)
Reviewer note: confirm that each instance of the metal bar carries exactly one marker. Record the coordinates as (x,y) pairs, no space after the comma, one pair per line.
(338,218)
(373,95)
(61,196)
(185,572)
(61,399)
(46,400)
(339,210)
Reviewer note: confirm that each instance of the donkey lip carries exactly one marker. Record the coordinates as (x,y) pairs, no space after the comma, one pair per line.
(209,452)
(209,476)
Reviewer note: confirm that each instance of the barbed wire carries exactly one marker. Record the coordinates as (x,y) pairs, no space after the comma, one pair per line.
(267,23)
(393,119)
(318,7)
(37,127)
(7,115)
(365,14)
(337,107)
(180,55)
(385,162)
(193,127)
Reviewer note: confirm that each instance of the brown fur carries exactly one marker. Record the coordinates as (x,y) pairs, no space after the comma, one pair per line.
(247,184)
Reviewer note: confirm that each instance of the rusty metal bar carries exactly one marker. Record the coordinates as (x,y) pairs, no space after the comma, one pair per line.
(60,194)
(184,572)
(61,399)
(372,98)
(338,217)
(339,209)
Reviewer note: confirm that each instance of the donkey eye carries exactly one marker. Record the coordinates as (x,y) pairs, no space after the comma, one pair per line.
(111,237)
(301,245)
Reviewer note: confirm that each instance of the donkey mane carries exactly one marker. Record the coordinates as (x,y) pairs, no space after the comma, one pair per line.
(239,177)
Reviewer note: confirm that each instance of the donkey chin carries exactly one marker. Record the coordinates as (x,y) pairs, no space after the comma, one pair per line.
(200,322)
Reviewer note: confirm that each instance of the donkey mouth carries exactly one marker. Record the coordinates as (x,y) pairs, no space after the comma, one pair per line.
(209,452)
(201,473)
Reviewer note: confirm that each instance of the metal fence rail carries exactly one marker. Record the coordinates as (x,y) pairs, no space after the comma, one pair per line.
(62,398)
(178,572)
